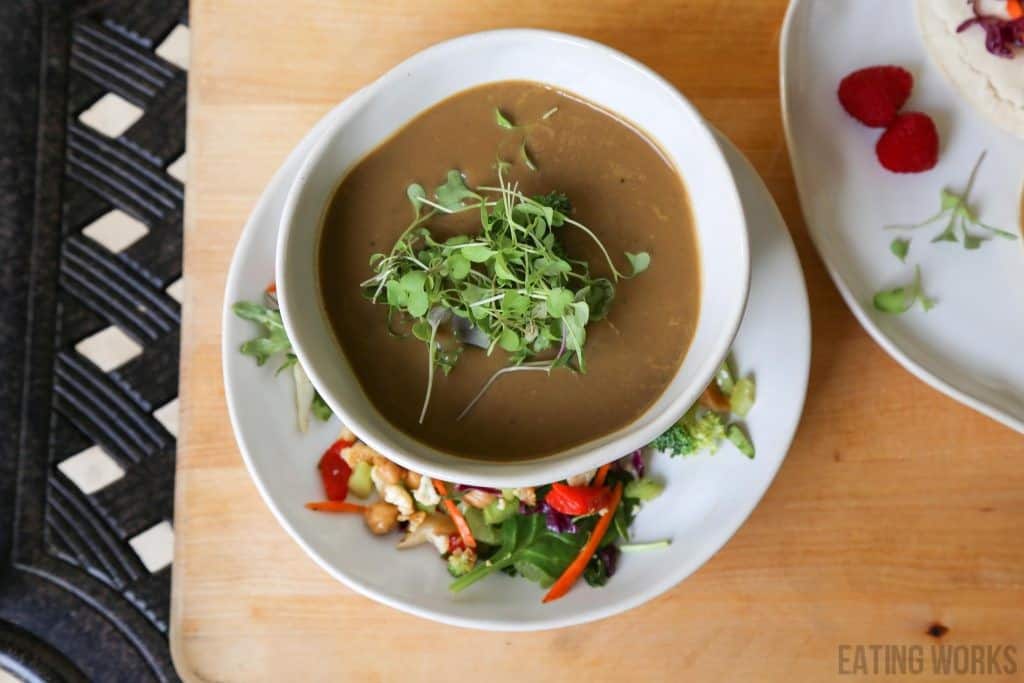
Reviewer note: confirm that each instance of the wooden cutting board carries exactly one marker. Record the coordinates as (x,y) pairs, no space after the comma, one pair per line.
(898,510)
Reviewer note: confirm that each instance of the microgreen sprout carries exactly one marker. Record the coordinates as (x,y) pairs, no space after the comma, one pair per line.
(900,248)
(956,208)
(542,366)
(525,155)
(902,299)
(960,219)
(503,120)
(511,285)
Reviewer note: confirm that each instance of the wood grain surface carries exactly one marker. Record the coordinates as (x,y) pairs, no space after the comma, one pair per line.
(897,508)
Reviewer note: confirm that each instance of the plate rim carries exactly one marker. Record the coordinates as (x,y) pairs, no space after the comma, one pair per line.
(817,235)
(534,624)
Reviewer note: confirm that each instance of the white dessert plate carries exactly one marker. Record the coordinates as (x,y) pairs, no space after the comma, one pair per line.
(969,345)
(707,497)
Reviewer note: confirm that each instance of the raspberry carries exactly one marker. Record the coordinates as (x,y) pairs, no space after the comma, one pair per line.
(910,145)
(874,96)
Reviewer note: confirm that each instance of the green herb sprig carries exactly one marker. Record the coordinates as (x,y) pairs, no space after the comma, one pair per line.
(512,282)
(505,122)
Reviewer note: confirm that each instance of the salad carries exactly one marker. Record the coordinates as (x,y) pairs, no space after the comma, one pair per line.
(552,535)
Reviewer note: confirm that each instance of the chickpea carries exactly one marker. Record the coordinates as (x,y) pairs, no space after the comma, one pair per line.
(389,472)
(381,517)
(412,480)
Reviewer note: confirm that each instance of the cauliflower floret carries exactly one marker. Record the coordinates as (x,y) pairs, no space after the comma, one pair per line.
(378,480)
(434,529)
(400,498)
(581,479)
(527,495)
(425,493)
(439,541)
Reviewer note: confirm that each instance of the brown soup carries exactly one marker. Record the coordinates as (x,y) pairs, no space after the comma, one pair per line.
(621,187)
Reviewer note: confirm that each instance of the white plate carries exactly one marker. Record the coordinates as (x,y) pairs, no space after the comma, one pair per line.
(969,345)
(707,498)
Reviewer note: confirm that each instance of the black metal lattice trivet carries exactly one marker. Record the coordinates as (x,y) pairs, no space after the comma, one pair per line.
(76,601)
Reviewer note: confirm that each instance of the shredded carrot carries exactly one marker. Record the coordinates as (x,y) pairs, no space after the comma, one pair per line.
(271,288)
(336,506)
(575,570)
(1015,9)
(602,474)
(453,511)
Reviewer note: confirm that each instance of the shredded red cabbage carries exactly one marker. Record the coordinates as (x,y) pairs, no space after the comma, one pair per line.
(1001,35)
(637,458)
(557,521)
(485,489)
(633,463)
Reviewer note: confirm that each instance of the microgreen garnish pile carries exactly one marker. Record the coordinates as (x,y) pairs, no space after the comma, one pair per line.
(511,283)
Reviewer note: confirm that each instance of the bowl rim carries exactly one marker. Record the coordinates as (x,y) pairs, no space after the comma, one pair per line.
(582,457)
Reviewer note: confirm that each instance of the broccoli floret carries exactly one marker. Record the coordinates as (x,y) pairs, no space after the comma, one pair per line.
(461,562)
(556,200)
(697,431)
(676,441)
(706,429)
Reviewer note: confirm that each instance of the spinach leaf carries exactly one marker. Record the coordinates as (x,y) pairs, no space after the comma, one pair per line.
(530,549)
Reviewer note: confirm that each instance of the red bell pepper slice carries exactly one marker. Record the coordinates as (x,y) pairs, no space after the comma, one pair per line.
(577,500)
(334,471)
